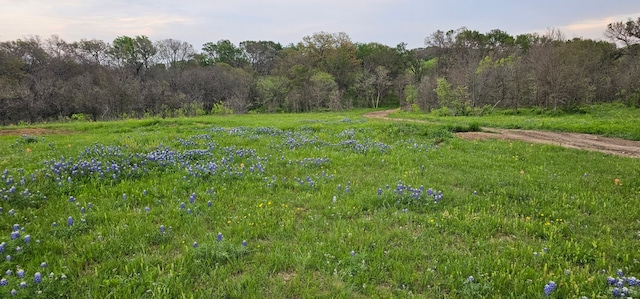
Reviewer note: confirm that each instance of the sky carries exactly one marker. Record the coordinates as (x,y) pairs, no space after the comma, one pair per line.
(388,22)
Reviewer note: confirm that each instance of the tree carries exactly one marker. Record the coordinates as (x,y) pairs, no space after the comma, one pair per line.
(333,53)
(174,53)
(262,55)
(625,32)
(135,53)
(223,52)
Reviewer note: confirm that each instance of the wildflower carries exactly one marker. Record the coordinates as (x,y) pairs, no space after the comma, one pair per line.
(335,199)
(63,276)
(470,279)
(43,265)
(23,284)
(195,244)
(616,182)
(37,278)
(82,210)
(51,275)
(8,257)
(182,205)
(147,209)
(3,282)
(616,292)
(144,192)
(353,253)
(90,205)
(548,289)
(244,243)
(379,191)
(219,237)
(20,273)
(124,196)
(8,273)
(162,229)
(54,224)
(192,199)
(209,203)
(72,199)
(13,292)
(12,212)
(2,245)
(70,221)
(15,234)
(16,227)
(620,273)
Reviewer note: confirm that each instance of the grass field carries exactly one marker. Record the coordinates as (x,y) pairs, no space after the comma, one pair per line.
(325,205)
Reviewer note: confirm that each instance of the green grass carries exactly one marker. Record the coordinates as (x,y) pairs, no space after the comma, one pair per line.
(611,120)
(513,215)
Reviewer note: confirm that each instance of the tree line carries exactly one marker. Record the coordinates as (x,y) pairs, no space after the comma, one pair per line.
(457,72)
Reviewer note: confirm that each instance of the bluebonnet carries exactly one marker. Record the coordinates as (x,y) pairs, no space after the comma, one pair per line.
(195,244)
(72,199)
(3,282)
(2,245)
(20,273)
(8,273)
(37,278)
(70,221)
(82,210)
(192,199)
(15,234)
(43,265)
(244,243)
(13,292)
(182,205)
(470,279)
(219,237)
(162,229)
(209,203)
(23,284)
(147,209)
(549,288)
(620,273)
(16,227)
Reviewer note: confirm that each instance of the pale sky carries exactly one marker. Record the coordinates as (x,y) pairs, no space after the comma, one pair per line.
(288,21)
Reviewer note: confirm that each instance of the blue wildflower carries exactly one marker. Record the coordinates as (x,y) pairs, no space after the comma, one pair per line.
(162,229)
(379,191)
(15,234)
(16,227)
(244,243)
(70,221)
(219,237)
(13,292)
(192,199)
(3,282)
(611,280)
(72,199)
(8,273)
(620,273)
(147,209)
(23,284)
(182,205)
(124,196)
(209,203)
(616,292)
(20,273)
(37,278)
(353,253)
(43,265)
(195,244)
(8,257)
(470,279)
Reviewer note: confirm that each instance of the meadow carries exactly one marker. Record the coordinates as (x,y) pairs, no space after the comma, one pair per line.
(322,205)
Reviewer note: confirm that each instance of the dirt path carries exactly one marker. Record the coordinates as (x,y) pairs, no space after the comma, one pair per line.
(615,146)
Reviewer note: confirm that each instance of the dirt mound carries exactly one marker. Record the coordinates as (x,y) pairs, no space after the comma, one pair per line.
(615,146)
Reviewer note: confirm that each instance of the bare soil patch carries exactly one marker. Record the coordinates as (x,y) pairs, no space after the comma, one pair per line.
(614,146)
(29,131)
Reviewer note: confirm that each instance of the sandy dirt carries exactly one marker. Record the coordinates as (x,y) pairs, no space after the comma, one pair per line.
(614,146)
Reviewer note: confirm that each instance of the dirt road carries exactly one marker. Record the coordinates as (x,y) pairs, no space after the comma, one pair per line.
(615,146)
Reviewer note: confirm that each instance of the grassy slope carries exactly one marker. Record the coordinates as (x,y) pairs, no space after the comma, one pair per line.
(606,120)
(300,243)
